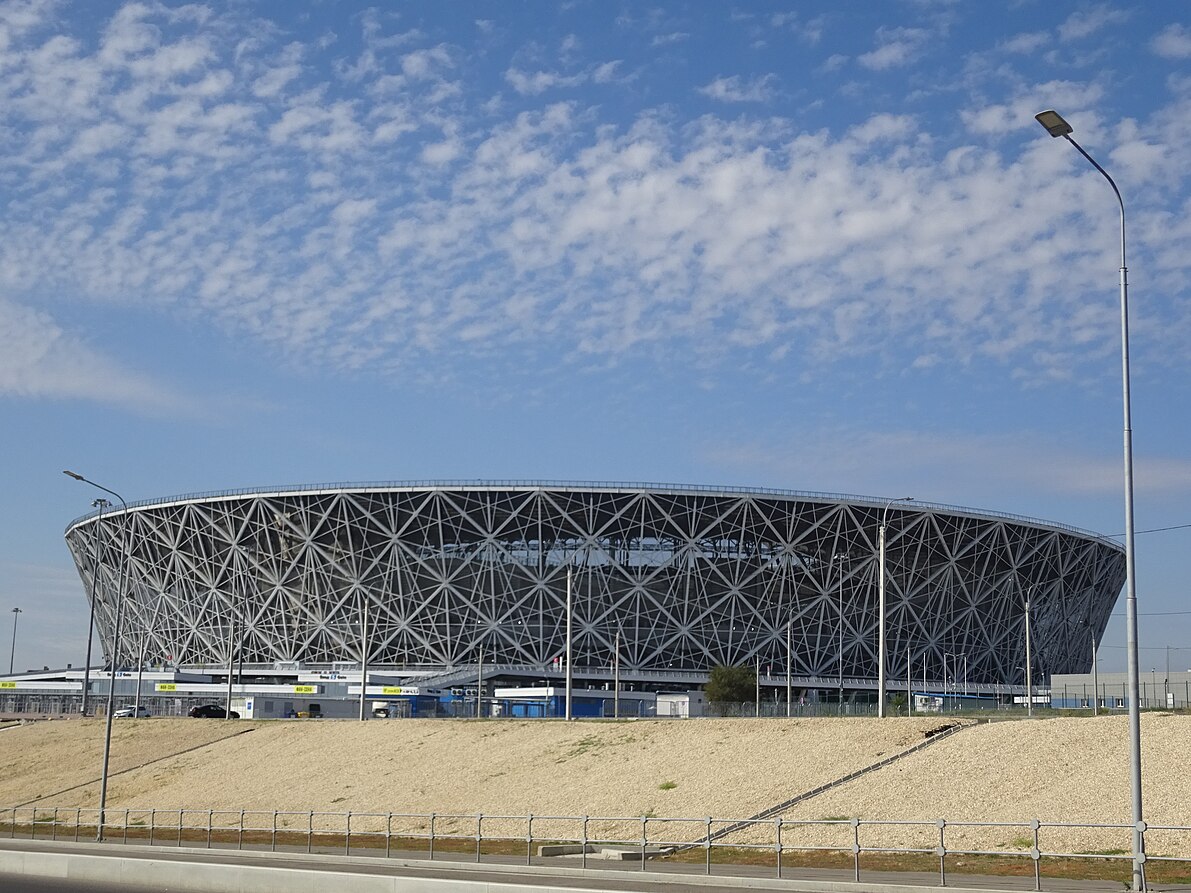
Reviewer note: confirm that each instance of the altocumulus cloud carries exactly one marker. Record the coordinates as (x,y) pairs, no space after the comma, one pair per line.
(170,162)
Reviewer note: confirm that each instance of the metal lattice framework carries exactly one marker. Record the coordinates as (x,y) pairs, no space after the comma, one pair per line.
(682,577)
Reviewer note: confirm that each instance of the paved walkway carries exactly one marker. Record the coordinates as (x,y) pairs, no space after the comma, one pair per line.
(564,872)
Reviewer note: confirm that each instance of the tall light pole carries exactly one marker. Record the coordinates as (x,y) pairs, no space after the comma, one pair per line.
(570,678)
(100,504)
(1056,127)
(840,559)
(113,656)
(1029,665)
(363,655)
(881,606)
(16,614)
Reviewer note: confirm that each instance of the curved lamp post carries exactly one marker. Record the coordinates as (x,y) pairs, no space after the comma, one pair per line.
(100,504)
(16,615)
(107,734)
(1056,127)
(881,606)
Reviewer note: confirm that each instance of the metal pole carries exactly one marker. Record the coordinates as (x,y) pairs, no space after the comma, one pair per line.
(363,655)
(569,676)
(1095,678)
(758,679)
(789,666)
(16,615)
(100,504)
(231,655)
(114,657)
(1029,667)
(909,692)
(1130,553)
(480,683)
(616,679)
(881,622)
(881,607)
(841,632)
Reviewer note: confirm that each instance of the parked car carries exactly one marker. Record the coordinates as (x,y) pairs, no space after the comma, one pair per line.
(141,712)
(212,711)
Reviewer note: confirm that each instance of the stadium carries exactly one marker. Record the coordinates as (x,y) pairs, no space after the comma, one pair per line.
(429,579)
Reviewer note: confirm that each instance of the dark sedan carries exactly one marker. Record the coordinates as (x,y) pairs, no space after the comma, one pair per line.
(212,711)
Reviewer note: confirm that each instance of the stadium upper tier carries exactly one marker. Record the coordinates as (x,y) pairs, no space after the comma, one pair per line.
(671,577)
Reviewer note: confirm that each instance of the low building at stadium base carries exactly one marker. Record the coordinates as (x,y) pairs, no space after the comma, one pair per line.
(453,585)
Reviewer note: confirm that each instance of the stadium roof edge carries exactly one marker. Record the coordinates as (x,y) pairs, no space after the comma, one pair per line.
(603,486)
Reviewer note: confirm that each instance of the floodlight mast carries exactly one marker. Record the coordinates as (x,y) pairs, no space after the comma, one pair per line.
(1056,126)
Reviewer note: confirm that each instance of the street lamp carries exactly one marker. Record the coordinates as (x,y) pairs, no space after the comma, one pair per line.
(107,733)
(16,614)
(881,607)
(1056,127)
(840,559)
(100,504)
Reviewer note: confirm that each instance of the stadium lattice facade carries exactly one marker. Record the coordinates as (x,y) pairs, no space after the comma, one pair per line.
(671,578)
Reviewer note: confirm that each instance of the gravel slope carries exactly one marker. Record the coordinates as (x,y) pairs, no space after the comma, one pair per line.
(1071,770)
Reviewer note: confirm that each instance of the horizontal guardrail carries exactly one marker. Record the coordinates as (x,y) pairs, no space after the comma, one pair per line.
(657,841)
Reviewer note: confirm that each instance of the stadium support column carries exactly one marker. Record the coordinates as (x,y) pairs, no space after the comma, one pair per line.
(114,656)
(1056,127)
(881,606)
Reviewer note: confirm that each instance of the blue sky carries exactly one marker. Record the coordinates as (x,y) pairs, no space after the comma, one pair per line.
(818,246)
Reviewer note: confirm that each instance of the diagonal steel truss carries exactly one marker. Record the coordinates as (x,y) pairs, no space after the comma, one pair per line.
(685,578)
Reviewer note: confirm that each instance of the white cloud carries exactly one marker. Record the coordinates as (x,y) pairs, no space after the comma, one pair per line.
(1174,42)
(896,47)
(533,83)
(1087,22)
(736,89)
(1026,43)
(42,360)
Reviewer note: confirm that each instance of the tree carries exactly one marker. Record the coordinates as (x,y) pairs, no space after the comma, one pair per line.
(731,685)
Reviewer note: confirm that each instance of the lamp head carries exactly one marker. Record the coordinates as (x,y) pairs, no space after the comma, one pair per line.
(1053,122)
(71,474)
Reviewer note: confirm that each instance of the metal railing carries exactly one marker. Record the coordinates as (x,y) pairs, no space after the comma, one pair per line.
(764,845)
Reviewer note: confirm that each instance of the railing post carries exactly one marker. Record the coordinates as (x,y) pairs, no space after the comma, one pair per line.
(152,823)
(388,833)
(78,818)
(309,830)
(273,834)
(125,822)
(240,836)
(479,834)
(54,825)
(644,839)
(347,835)
(181,813)
(1036,854)
(210,821)
(707,848)
(942,851)
(856,850)
(583,843)
(777,843)
(432,816)
(529,839)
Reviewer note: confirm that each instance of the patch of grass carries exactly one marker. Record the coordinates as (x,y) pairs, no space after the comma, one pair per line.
(667,785)
(1020,843)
